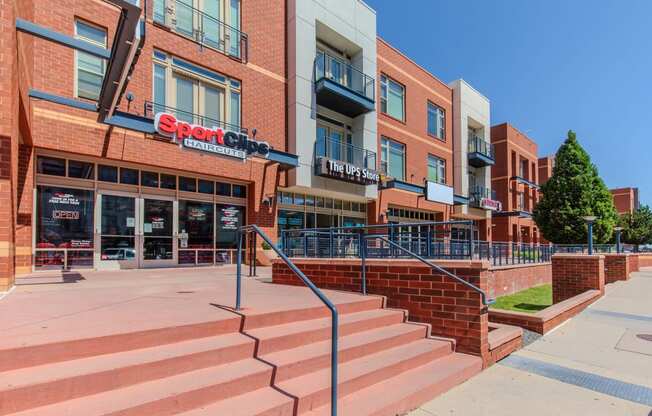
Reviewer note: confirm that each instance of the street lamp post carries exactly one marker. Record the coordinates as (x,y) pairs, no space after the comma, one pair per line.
(618,230)
(590,219)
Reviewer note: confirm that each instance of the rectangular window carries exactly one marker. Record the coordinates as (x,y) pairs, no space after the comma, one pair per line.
(82,170)
(107,173)
(436,169)
(129,176)
(168,181)
(65,218)
(187,184)
(90,68)
(239,191)
(436,121)
(160,89)
(392,98)
(206,187)
(392,158)
(51,166)
(149,179)
(223,189)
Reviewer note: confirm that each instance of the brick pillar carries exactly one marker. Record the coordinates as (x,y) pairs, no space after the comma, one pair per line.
(8,141)
(616,267)
(634,262)
(574,274)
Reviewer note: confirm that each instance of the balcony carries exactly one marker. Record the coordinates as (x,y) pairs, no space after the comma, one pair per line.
(356,159)
(481,153)
(200,26)
(342,88)
(193,118)
(485,198)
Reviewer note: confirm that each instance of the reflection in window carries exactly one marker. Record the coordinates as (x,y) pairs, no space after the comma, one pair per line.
(107,173)
(51,166)
(82,170)
(223,189)
(196,219)
(129,176)
(168,181)
(149,179)
(65,218)
(187,184)
(229,219)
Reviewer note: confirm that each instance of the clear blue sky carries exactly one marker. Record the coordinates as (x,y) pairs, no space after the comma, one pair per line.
(547,67)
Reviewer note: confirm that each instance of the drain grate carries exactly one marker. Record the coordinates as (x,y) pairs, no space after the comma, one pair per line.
(644,337)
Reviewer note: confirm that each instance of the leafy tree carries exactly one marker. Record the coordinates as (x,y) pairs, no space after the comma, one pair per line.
(574,190)
(637,226)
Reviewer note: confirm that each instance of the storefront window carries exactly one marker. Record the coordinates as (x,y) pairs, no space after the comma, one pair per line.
(118,228)
(239,191)
(206,187)
(149,179)
(65,218)
(223,189)
(168,181)
(229,219)
(187,184)
(196,219)
(289,220)
(129,176)
(81,170)
(51,166)
(107,173)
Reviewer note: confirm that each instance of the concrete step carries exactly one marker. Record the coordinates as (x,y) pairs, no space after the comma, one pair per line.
(301,360)
(295,334)
(167,396)
(260,319)
(39,354)
(409,390)
(313,390)
(263,402)
(51,383)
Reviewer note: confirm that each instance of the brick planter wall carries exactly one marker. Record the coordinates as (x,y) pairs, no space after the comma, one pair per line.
(506,280)
(616,267)
(634,262)
(573,274)
(452,309)
(645,260)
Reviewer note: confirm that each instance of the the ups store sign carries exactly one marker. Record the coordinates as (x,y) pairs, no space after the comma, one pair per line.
(346,172)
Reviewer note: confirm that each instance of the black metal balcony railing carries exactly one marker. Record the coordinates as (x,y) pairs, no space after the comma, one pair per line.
(344,152)
(478,145)
(477,193)
(152,108)
(345,75)
(208,30)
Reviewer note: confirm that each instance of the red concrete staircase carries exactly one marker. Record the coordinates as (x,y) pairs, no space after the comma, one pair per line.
(273,364)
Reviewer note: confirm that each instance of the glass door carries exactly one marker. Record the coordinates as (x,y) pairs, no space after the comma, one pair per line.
(116,232)
(158,218)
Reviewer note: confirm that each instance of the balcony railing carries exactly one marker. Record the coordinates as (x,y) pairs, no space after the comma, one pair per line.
(201,26)
(345,75)
(344,152)
(478,145)
(477,193)
(152,108)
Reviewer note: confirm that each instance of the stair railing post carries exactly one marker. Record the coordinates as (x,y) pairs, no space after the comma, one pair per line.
(238,289)
(363,256)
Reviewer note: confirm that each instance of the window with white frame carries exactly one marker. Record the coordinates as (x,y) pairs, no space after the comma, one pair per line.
(392,98)
(90,69)
(436,121)
(392,158)
(436,169)
(195,94)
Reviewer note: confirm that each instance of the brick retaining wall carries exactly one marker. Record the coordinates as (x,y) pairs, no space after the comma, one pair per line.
(645,260)
(574,274)
(452,309)
(617,267)
(511,279)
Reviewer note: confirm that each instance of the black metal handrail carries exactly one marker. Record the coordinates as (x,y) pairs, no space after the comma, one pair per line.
(334,315)
(151,108)
(202,27)
(483,295)
(344,74)
(344,152)
(479,145)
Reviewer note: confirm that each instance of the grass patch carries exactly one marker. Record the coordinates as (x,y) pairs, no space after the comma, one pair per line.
(529,300)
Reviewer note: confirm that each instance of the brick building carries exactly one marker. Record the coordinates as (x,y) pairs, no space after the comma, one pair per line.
(514,178)
(625,200)
(546,165)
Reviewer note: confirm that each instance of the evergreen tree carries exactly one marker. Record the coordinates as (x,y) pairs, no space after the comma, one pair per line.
(637,227)
(574,190)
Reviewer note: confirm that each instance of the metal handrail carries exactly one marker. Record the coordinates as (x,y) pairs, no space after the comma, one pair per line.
(350,77)
(479,145)
(483,295)
(151,108)
(325,146)
(201,21)
(374,226)
(334,315)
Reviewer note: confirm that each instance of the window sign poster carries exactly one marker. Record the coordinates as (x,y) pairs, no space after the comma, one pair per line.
(131,222)
(65,218)
(229,219)
(147,227)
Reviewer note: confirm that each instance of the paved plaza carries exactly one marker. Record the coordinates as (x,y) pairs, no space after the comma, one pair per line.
(598,363)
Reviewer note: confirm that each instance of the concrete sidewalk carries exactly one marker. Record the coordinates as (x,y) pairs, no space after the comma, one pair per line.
(598,363)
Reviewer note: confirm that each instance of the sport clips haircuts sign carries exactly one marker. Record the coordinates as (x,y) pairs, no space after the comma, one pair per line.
(212,140)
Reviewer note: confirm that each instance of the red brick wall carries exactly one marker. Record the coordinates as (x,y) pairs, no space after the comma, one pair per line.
(430,297)
(616,267)
(634,263)
(625,199)
(645,260)
(575,274)
(420,87)
(511,279)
